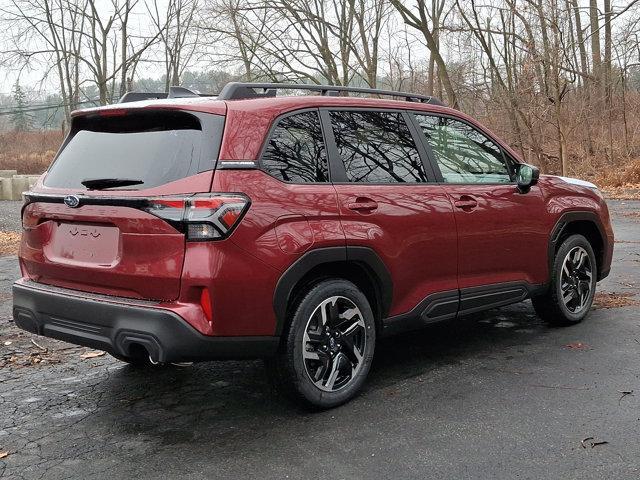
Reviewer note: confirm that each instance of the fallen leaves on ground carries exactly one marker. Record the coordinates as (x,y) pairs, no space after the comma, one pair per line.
(614,300)
(9,242)
(4,454)
(629,191)
(577,346)
(93,354)
(17,354)
(22,359)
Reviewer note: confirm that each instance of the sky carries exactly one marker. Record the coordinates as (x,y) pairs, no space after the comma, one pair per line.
(31,79)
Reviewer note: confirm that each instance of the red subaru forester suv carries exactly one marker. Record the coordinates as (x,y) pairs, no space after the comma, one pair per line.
(294,228)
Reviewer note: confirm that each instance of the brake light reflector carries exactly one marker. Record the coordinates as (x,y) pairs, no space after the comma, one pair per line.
(112,112)
(201,218)
(205,303)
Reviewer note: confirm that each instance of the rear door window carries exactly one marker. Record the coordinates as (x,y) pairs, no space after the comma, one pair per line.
(376,147)
(296,152)
(153,147)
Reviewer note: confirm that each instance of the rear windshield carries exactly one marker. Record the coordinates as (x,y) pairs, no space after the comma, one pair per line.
(154,148)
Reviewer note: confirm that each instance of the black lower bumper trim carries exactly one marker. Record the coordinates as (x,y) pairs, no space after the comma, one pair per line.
(117,327)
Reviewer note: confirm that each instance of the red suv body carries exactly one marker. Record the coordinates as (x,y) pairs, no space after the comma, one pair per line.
(195,228)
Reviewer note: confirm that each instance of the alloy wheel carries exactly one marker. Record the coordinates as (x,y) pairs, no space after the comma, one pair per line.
(334,343)
(576,280)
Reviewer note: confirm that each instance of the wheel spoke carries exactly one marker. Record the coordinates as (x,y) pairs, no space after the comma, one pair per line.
(310,355)
(586,272)
(335,370)
(351,350)
(567,296)
(586,284)
(353,328)
(313,336)
(584,288)
(357,354)
(349,314)
(346,316)
(576,279)
(323,312)
(565,287)
(322,369)
(333,313)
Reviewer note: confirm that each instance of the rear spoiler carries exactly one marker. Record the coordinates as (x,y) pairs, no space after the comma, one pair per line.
(174,92)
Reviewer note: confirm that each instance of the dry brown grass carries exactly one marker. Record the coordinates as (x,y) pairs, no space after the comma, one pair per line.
(626,176)
(628,192)
(28,152)
(9,243)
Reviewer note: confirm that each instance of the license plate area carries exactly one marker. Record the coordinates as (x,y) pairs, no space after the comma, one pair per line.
(83,244)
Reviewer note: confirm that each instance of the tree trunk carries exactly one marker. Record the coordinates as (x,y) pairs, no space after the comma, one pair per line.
(580,38)
(596,55)
(607,81)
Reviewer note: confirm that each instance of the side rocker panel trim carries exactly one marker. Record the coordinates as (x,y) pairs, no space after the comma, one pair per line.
(455,303)
(476,299)
(433,308)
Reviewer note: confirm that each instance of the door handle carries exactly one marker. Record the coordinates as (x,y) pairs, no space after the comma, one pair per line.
(466,202)
(363,205)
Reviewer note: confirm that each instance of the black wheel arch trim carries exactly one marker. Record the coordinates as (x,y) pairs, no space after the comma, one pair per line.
(560,226)
(363,256)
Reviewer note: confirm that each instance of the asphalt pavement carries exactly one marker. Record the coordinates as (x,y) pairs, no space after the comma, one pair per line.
(499,395)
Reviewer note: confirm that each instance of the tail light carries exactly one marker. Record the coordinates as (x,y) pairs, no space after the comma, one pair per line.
(201,218)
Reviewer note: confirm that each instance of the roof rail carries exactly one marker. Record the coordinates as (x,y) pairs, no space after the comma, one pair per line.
(240,90)
(174,92)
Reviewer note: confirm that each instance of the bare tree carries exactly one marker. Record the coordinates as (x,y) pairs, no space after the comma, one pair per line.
(51,32)
(421,19)
(113,53)
(177,36)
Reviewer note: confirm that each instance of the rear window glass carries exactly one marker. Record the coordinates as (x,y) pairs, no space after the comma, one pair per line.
(295,152)
(152,147)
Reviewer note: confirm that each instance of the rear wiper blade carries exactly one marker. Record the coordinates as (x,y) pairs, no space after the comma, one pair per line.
(103,183)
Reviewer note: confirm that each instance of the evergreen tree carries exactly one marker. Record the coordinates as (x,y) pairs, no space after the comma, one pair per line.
(22,119)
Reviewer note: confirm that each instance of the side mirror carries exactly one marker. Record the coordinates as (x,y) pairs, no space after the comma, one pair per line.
(526,177)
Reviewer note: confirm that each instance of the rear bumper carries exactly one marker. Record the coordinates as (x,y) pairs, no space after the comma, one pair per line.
(115,325)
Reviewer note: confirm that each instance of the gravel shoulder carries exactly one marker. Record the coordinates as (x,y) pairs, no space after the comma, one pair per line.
(10,216)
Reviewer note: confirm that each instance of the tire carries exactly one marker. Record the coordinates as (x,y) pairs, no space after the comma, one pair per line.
(325,358)
(574,270)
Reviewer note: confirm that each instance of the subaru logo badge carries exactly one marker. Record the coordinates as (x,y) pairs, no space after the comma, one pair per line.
(72,201)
